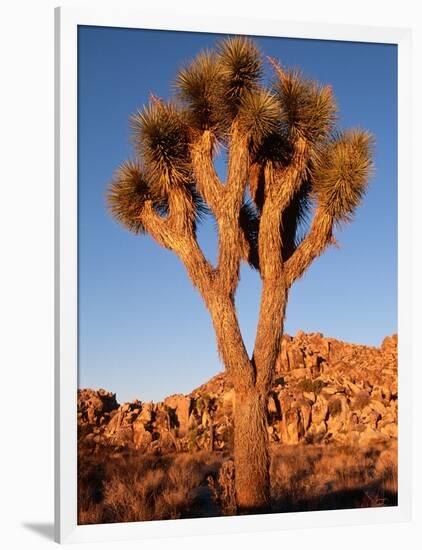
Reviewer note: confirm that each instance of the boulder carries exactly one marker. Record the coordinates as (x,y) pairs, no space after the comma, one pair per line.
(370,435)
(338,413)
(273,405)
(305,413)
(93,404)
(114,425)
(291,428)
(390,343)
(319,410)
(390,430)
(296,360)
(147,412)
(182,405)
(141,436)
(378,407)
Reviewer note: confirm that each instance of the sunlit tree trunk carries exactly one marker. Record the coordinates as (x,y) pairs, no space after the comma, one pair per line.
(251,380)
(251,457)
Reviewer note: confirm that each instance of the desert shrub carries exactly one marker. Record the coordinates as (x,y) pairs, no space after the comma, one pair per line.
(192,437)
(90,489)
(205,403)
(223,488)
(133,499)
(311,385)
(200,404)
(124,487)
(386,467)
(323,477)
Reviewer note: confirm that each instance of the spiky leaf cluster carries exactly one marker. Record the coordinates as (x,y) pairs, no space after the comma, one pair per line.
(160,137)
(127,194)
(199,86)
(309,110)
(259,115)
(276,148)
(341,175)
(241,67)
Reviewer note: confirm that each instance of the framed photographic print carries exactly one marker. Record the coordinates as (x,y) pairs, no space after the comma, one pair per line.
(232,275)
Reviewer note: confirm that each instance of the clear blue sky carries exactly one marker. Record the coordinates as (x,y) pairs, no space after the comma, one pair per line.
(143,330)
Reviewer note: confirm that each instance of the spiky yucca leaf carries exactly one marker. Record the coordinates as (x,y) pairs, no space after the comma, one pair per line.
(341,176)
(309,110)
(127,194)
(241,66)
(160,137)
(259,114)
(199,85)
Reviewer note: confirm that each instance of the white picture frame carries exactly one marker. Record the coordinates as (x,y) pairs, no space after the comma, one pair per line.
(66,342)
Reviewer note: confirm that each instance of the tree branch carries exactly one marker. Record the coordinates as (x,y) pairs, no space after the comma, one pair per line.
(176,233)
(230,342)
(238,169)
(155,225)
(207,180)
(319,237)
(269,330)
(199,269)
(229,230)
(280,188)
(286,181)
(182,211)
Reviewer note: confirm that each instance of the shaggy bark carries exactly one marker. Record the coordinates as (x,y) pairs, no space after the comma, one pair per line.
(230,343)
(251,457)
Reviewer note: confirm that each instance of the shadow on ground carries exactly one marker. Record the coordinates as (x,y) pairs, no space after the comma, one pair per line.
(363,497)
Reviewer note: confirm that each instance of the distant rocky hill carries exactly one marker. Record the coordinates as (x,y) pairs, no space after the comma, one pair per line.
(324,390)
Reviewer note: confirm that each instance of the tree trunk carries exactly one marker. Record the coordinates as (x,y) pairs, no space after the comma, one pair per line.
(251,458)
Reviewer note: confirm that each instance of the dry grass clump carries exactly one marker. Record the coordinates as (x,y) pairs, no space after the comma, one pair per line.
(132,487)
(387,468)
(312,385)
(124,487)
(323,477)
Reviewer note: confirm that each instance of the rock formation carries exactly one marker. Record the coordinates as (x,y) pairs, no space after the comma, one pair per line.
(323,391)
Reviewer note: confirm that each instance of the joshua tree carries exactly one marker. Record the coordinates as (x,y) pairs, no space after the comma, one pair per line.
(291,178)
